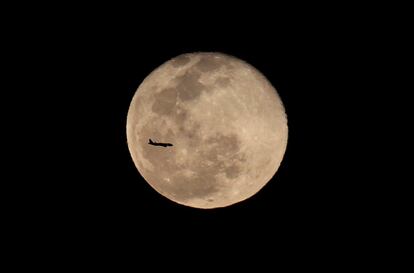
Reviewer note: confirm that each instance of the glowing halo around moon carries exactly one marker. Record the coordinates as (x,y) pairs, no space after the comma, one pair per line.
(225,120)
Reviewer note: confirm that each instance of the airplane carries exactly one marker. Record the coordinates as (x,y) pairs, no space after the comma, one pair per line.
(159,144)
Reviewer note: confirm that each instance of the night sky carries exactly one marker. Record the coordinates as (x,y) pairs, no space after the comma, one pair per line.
(90,191)
(305,190)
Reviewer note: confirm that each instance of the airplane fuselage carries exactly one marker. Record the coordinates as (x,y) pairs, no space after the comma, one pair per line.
(159,144)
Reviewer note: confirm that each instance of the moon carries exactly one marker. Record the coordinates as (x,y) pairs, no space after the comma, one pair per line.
(226,122)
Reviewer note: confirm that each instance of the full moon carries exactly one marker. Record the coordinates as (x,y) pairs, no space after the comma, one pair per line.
(225,121)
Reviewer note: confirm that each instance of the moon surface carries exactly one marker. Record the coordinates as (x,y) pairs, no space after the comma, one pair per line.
(225,120)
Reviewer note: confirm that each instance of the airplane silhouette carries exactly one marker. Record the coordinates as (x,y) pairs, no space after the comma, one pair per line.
(159,144)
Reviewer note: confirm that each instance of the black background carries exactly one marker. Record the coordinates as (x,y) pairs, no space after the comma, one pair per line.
(86,65)
(303,193)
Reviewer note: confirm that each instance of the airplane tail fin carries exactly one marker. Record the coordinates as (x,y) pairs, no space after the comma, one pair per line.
(150,141)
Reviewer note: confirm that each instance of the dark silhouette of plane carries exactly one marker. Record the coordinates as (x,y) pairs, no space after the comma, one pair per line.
(159,144)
